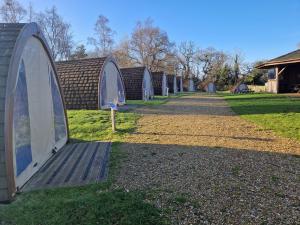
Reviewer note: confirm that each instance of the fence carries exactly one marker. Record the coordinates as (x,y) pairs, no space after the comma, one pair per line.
(257,88)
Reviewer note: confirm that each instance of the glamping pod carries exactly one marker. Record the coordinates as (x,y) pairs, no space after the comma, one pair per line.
(93,83)
(138,83)
(32,115)
(179,83)
(159,83)
(240,88)
(172,83)
(191,85)
(211,88)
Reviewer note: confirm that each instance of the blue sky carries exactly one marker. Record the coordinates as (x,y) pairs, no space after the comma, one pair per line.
(260,29)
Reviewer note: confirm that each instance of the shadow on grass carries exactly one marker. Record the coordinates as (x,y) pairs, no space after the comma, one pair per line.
(214,136)
(92,204)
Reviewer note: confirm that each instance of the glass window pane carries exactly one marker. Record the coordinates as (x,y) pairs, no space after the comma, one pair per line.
(58,108)
(121,94)
(21,123)
(103,92)
(271,73)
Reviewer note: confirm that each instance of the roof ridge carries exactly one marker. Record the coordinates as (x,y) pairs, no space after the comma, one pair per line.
(274,59)
(84,59)
(136,67)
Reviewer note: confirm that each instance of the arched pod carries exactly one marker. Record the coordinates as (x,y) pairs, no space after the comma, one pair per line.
(33,115)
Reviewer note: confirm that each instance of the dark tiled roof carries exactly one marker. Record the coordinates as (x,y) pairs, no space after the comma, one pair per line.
(133,80)
(157,78)
(170,82)
(79,80)
(291,57)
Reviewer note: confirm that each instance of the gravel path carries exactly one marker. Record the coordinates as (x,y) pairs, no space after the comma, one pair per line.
(205,165)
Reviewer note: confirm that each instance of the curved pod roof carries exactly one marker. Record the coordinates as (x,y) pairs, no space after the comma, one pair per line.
(138,83)
(92,83)
(289,58)
(32,113)
(159,83)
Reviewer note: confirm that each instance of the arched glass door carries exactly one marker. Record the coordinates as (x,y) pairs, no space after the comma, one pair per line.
(121,95)
(60,130)
(21,124)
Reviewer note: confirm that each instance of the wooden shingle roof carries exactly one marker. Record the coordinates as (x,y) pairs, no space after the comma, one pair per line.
(157,78)
(79,80)
(291,57)
(133,80)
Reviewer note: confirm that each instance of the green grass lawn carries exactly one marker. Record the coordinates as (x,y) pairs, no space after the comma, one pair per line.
(279,113)
(91,204)
(158,100)
(95,125)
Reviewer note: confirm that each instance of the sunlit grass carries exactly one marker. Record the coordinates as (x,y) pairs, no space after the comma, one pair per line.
(158,100)
(276,112)
(95,125)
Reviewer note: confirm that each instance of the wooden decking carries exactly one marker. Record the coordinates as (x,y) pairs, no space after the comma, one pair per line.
(74,165)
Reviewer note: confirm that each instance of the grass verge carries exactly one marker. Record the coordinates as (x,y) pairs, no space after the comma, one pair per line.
(279,113)
(91,204)
(95,125)
(158,100)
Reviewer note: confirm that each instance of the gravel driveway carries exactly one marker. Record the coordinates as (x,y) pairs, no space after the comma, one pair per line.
(202,164)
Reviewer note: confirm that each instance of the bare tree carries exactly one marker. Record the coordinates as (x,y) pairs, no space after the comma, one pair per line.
(31,13)
(103,40)
(171,63)
(149,45)
(211,62)
(12,11)
(57,33)
(79,53)
(186,55)
(122,54)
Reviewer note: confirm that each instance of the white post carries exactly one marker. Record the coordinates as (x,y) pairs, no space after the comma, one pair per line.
(113,121)
(113,109)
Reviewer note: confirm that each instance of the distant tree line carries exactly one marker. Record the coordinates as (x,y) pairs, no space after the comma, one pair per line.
(148,45)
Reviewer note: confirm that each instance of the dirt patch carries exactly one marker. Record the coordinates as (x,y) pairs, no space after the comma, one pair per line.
(229,170)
